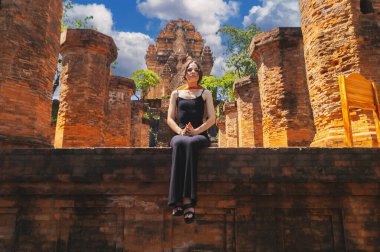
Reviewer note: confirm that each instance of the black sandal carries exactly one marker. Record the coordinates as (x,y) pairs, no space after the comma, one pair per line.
(187,213)
(177,210)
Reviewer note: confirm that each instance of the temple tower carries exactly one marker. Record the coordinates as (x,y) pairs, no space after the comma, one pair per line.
(175,42)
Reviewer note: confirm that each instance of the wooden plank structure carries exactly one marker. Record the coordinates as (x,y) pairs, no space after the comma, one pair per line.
(358,92)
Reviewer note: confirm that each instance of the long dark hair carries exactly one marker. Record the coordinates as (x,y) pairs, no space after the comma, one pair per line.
(200,72)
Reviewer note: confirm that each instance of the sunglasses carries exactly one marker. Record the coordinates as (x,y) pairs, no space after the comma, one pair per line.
(193,69)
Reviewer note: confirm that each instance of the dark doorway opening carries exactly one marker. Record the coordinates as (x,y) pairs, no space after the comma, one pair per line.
(366,6)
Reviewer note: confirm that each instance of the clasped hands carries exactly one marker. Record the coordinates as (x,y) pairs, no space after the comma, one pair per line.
(188,130)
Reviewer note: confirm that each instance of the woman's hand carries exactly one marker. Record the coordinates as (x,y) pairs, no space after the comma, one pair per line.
(183,132)
(193,132)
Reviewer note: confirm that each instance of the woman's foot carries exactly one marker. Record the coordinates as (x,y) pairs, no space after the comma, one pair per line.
(177,210)
(188,213)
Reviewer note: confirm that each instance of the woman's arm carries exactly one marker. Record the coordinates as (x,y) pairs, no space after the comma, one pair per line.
(210,115)
(171,114)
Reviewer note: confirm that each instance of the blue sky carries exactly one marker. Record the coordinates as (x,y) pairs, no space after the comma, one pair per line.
(134,24)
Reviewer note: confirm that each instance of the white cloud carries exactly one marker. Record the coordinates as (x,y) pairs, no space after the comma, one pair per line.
(274,13)
(132,49)
(132,45)
(206,16)
(102,17)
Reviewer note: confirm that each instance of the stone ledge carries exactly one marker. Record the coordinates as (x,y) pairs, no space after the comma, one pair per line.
(249,199)
(241,165)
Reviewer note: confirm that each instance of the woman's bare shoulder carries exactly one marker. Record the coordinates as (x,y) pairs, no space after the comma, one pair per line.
(174,93)
(207,92)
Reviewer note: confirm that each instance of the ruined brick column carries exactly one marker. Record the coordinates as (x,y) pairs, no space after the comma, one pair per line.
(145,126)
(118,112)
(29,50)
(232,130)
(165,133)
(85,73)
(249,111)
(340,37)
(221,124)
(287,117)
(136,123)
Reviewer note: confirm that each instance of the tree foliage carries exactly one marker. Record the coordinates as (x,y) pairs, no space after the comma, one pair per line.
(145,80)
(69,23)
(222,88)
(237,42)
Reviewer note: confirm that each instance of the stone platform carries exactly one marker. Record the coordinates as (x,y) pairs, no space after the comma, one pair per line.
(250,199)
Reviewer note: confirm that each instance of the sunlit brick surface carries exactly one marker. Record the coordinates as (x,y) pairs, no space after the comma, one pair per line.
(29,51)
(339,39)
(249,111)
(84,92)
(286,113)
(231,122)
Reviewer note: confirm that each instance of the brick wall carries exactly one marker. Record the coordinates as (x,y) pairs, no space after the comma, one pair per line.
(249,200)
(29,49)
(117,130)
(136,122)
(221,124)
(165,133)
(286,113)
(249,111)
(231,122)
(339,39)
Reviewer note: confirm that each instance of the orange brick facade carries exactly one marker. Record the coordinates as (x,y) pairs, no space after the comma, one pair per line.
(231,122)
(139,126)
(221,124)
(29,52)
(286,114)
(340,37)
(117,131)
(249,199)
(84,92)
(249,111)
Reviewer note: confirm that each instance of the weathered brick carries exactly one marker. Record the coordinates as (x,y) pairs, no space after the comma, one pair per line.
(286,113)
(117,132)
(339,39)
(84,91)
(28,59)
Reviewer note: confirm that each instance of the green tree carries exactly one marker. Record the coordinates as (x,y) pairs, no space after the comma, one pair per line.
(211,83)
(227,84)
(68,23)
(222,88)
(145,80)
(237,42)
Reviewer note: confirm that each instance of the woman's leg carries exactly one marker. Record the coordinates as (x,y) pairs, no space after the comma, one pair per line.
(183,178)
(193,145)
(177,172)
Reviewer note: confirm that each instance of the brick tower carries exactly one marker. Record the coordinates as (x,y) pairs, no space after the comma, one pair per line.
(178,40)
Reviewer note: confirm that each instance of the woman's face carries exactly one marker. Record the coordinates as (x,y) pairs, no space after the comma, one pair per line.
(192,74)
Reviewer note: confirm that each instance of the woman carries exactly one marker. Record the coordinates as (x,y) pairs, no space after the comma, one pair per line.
(188,104)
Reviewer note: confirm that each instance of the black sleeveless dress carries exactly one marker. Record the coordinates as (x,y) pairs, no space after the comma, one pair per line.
(183,179)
